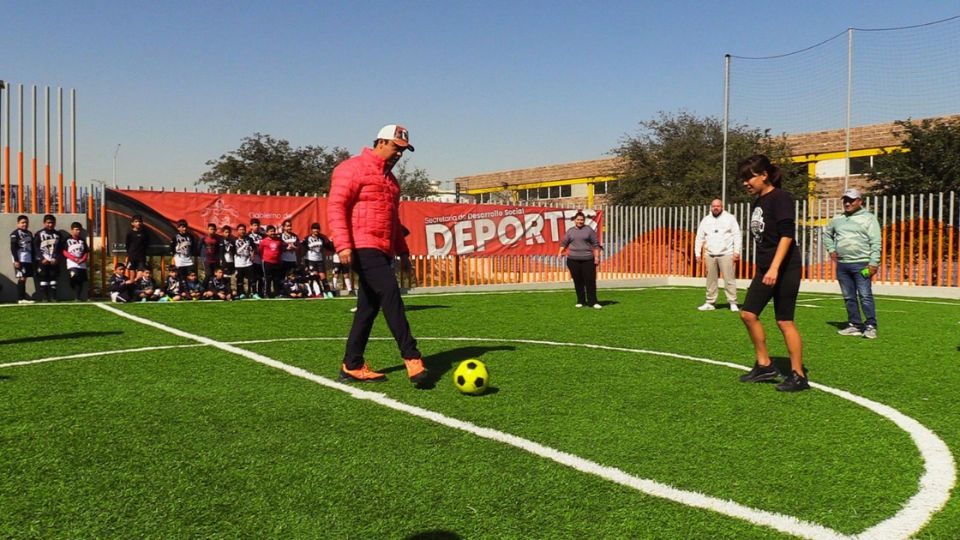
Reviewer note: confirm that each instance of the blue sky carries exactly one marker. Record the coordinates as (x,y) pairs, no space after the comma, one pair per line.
(482,86)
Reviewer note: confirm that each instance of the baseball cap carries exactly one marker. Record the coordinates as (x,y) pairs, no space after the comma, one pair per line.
(398,134)
(852,193)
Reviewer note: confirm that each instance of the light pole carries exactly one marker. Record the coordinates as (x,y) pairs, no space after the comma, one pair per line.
(115,152)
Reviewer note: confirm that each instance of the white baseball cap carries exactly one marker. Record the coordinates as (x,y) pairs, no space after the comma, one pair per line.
(396,133)
(852,193)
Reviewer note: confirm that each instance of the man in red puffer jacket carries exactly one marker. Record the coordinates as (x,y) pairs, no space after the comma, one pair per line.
(364,221)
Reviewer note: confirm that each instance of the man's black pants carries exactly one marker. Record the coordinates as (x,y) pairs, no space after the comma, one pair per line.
(378,289)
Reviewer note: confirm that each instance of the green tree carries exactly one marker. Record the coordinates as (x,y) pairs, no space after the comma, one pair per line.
(263,163)
(414,184)
(676,159)
(927,162)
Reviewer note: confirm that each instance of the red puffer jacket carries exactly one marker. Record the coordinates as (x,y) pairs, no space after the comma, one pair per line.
(363,210)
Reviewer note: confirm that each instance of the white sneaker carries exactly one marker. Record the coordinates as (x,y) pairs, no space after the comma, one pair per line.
(707,307)
(850,331)
(578,305)
(733,307)
(597,306)
(870,332)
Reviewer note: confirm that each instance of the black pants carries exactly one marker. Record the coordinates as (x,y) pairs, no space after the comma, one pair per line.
(46,280)
(378,289)
(584,274)
(273,276)
(256,280)
(245,279)
(78,276)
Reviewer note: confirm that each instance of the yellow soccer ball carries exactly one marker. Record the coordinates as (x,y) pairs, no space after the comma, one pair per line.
(471,377)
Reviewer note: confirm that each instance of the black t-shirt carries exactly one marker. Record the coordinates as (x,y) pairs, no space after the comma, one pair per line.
(137,242)
(773,218)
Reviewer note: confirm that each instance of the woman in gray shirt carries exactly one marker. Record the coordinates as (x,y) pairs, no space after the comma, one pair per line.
(583,255)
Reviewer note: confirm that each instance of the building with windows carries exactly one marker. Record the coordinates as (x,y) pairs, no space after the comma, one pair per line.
(585,183)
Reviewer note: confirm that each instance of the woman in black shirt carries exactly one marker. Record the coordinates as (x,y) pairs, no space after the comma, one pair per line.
(773,227)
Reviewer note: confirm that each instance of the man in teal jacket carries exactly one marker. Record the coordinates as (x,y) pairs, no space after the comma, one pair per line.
(853,241)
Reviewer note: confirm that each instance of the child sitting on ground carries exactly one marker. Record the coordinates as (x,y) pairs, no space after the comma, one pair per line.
(293,286)
(192,288)
(172,287)
(145,288)
(218,286)
(119,284)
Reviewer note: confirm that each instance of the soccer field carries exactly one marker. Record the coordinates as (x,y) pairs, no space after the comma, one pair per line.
(224,420)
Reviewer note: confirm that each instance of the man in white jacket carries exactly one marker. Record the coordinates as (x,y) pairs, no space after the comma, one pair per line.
(718,243)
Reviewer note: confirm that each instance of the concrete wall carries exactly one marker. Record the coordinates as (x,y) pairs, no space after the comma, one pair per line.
(8,281)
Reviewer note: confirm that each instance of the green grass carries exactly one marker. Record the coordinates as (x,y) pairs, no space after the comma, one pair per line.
(201,442)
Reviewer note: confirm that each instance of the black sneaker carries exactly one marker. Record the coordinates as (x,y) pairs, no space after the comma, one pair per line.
(760,374)
(794,383)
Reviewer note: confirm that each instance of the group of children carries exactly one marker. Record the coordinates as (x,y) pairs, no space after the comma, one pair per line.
(39,256)
(260,262)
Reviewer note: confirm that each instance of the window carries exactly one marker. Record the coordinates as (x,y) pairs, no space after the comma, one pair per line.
(600,188)
(861,165)
(564,191)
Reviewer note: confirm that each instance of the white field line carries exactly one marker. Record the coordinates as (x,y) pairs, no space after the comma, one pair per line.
(839,298)
(935,484)
(92,354)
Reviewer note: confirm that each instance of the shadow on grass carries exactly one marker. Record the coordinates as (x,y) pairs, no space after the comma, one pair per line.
(782,363)
(839,325)
(606,303)
(418,308)
(52,337)
(434,535)
(440,363)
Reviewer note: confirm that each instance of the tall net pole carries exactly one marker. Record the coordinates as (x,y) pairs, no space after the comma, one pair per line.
(726,125)
(846,151)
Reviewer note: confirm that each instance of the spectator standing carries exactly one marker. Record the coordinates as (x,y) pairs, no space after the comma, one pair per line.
(138,239)
(21,250)
(315,247)
(184,248)
(77,253)
(582,248)
(853,240)
(256,235)
(718,244)
(290,256)
(228,251)
(363,211)
(48,248)
(212,245)
(243,249)
(270,249)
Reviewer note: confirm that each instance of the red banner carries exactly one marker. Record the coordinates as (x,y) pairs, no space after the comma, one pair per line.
(435,228)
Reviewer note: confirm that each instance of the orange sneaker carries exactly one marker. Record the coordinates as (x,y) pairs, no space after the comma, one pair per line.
(364,374)
(415,370)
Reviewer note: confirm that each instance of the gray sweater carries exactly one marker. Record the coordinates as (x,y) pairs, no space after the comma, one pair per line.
(581,242)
